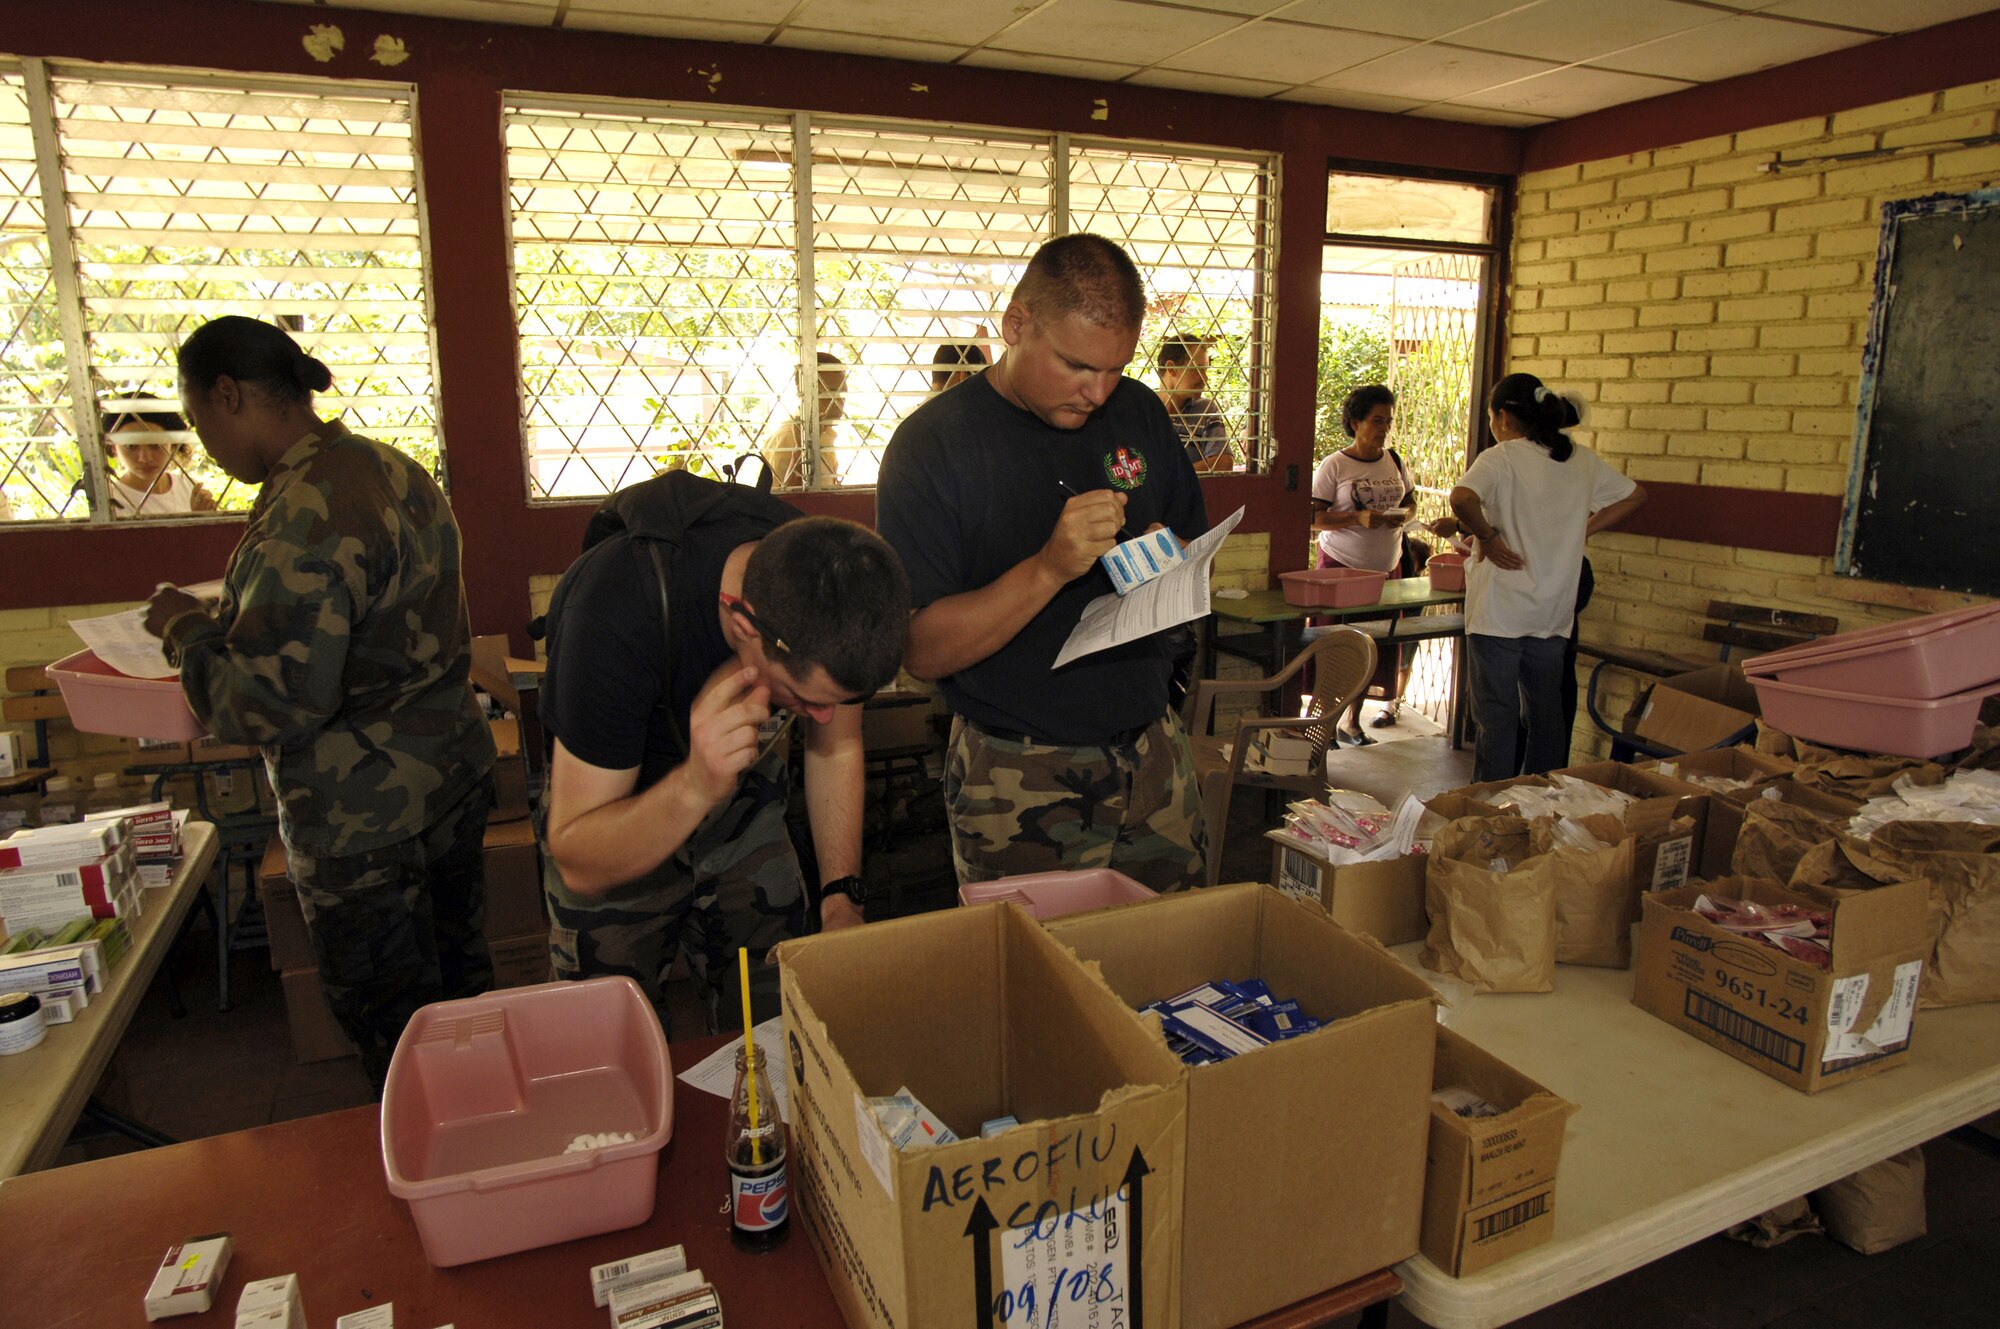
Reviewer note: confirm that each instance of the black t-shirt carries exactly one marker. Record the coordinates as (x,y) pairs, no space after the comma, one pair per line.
(969,489)
(610,692)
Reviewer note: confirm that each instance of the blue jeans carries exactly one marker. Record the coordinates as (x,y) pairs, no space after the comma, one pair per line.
(1517,678)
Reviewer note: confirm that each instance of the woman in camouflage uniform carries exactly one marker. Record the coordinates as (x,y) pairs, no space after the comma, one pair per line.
(341,647)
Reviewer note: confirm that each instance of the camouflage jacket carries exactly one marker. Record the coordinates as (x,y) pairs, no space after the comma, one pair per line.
(342,647)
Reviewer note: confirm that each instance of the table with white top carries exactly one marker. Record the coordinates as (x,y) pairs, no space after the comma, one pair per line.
(1676,1141)
(43,1090)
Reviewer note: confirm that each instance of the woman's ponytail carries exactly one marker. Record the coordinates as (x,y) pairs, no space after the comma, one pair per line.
(1543,414)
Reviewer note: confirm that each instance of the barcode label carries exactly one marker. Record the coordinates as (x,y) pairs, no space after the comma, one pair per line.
(1740,1029)
(1670,869)
(1511,1217)
(1298,876)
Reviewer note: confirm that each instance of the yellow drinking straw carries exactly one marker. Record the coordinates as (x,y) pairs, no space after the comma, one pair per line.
(750,1059)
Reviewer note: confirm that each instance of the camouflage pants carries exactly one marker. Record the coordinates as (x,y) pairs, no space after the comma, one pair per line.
(1017,807)
(735,883)
(400,927)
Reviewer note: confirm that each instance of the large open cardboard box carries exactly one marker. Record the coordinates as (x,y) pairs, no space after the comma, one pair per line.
(1489,1182)
(1695,710)
(981,1014)
(1788,1018)
(1305,1160)
(1662,856)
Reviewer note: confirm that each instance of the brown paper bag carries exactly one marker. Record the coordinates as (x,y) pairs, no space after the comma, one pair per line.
(1962,863)
(1775,836)
(1488,928)
(1879,1207)
(1865,777)
(1596,899)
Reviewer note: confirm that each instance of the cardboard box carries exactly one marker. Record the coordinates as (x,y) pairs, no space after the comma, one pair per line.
(1305,1159)
(284,919)
(1794,1021)
(1384,900)
(1698,709)
(522,961)
(514,903)
(982,1014)
(1489,1182)
(1725,807)
(510,773)
(316,1035)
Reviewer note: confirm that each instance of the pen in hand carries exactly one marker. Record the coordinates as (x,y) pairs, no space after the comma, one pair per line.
(1123,534)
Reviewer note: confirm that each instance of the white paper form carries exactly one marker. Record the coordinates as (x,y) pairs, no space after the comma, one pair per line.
(121,640)
(716,1073)
(1180,595)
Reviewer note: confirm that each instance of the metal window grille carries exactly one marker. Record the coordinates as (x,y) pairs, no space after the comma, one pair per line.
(685,278)
(190,199)
(40,462)
(1203,228)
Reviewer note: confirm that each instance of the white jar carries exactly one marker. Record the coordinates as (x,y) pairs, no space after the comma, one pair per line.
(21,1025)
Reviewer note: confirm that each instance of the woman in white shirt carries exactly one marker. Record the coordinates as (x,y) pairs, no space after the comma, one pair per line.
(145,483)
(1361,496)
(1530,501)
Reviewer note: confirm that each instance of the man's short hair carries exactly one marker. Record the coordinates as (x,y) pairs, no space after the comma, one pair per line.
(953,356)
(1178,350)
(834,593)
(1085,275)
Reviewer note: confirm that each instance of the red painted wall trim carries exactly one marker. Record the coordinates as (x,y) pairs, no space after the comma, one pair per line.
(461,70)
(1928,60)
(1778,523)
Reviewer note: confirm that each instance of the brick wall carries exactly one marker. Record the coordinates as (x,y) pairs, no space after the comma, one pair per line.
(1711,313)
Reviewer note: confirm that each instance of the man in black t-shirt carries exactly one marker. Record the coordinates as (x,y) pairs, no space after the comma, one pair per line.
(665,816)
(1000,496)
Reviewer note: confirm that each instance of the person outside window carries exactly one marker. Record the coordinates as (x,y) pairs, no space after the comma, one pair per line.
(148,481)
(1183,369)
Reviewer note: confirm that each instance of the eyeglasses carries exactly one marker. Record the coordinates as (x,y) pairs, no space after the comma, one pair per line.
(736,605)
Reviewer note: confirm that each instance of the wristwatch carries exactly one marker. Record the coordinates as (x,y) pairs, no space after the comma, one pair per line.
(850,887)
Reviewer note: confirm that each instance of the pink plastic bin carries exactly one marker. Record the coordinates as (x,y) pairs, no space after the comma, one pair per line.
(101,700)
(1334,588)
(1923,659)
(1447,572)
(1049,895)
(1892,725)
(485,1094)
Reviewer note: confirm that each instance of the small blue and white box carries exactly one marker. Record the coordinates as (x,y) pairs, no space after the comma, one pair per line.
(1137,562)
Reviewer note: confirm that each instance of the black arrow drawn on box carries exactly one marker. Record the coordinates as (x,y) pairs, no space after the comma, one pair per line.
(1135,1269)
(979,1227)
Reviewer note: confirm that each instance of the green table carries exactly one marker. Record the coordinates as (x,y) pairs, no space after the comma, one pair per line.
(1285,626)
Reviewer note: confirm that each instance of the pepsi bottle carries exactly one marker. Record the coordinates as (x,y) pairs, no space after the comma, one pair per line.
(760,1194)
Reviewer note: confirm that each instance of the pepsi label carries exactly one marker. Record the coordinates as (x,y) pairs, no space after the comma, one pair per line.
(760,1202)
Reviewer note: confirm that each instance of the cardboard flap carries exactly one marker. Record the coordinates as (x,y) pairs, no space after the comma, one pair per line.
(1885,921)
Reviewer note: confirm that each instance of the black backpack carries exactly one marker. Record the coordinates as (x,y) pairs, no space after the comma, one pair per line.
(655,518)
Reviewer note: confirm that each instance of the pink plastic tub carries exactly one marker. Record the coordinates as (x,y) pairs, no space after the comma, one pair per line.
(1892,725)
(1447,572)
(101,700)
(1334,588)
(1921,659)
(485,1094)
(1049,895)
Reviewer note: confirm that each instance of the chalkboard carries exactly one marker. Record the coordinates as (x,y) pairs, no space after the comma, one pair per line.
(1921,502)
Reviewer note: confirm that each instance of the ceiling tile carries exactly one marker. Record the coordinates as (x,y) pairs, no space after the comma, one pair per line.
(961,22)
(1103,71)
(540,13)
(1582,29)
(1235,6)
(770,13)
(1880,16)
(1188,81)
(1740,44)
(1139,34)
(1285,51)
(1433,73)
(1353,101)
(855,43)
(1400,18)
(1566,92)
(1480,115)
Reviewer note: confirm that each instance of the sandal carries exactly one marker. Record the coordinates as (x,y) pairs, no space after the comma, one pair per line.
(1384,720)
(1358,739)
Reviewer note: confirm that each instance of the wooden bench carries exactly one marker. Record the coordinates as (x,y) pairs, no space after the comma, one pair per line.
(1754,629)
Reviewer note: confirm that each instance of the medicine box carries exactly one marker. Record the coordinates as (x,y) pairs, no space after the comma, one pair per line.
(1489,1182)
(1305,1159)
(982,1014)
(1140,560)
(189,1277)
(1809,1027)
